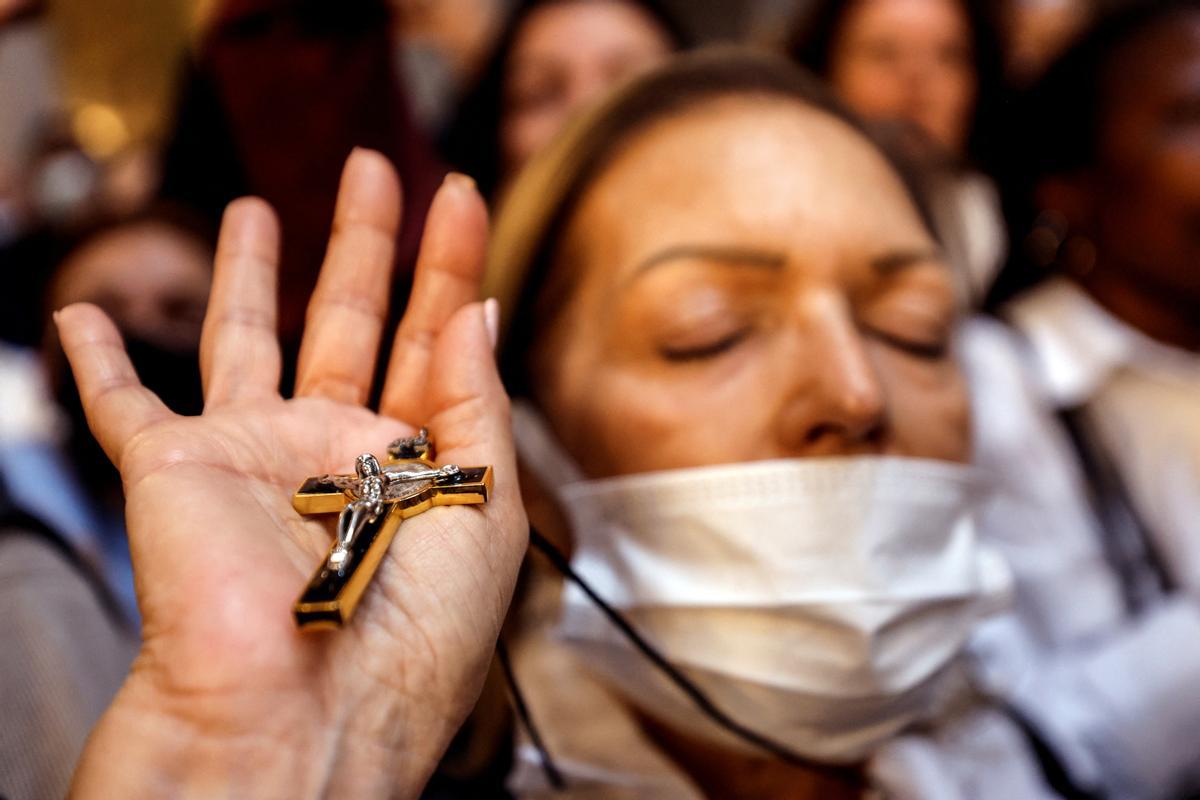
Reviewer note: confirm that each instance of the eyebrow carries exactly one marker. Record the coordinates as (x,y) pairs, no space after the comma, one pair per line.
(898,260)
(886,264)
(726,254)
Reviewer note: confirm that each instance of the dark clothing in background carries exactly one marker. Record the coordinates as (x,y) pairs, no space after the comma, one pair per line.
(279,94)
(26,265)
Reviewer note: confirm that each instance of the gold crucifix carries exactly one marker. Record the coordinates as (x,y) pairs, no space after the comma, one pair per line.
(371,505)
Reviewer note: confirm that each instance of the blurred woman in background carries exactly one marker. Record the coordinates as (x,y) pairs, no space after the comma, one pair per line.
(553,59)
(150,272)
(932,71)
(1088,411)
(71,620)
(730,337)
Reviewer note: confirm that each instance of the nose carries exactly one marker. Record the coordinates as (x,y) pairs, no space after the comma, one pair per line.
(918,71)
(836,403)
(588,86)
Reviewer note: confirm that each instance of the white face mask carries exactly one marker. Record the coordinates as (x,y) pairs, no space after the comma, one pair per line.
(820,603)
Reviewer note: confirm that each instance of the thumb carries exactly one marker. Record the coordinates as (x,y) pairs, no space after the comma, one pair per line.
(117,405)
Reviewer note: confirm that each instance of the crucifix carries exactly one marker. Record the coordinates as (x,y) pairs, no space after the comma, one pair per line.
(370,505)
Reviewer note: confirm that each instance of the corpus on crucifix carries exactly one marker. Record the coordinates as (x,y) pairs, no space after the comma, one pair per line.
(371,504)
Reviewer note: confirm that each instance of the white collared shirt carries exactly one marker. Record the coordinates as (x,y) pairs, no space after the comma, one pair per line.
(1114,694)
(1144,399)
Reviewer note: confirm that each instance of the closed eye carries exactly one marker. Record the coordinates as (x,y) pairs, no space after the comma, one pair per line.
(706,350)
(929,350)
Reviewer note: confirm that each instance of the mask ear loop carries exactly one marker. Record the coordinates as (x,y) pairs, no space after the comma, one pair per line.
(849,775)
(553,775)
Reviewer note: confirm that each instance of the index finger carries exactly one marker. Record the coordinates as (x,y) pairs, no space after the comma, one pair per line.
(117,405)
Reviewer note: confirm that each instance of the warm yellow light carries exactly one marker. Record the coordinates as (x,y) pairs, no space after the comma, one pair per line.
(100,129)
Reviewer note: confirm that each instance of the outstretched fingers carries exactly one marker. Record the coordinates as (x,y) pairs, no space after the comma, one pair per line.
(448,274)
(349,306)
(239,347)
(117,405)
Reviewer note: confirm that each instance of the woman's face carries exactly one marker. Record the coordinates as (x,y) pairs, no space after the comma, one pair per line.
(749,280)
(149,277)
(565,55)
(909,60)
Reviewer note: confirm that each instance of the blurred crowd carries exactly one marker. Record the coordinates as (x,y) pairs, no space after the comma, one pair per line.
(994,206)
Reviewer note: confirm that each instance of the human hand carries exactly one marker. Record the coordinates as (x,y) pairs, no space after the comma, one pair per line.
(226,694)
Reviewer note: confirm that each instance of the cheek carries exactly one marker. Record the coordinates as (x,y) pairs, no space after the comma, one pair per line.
(948,106)
(956,92)
(1172,176)
(1180,166)
(869,90)
(928,409)
(526,133)
(1151,214)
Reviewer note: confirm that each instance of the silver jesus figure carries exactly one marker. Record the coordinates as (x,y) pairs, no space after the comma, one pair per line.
(361,512)
(372,490)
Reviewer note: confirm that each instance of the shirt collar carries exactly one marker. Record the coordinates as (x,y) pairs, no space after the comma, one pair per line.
(1076,343)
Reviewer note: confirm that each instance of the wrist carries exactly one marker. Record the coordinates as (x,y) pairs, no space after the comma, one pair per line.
(148,744)
(151,744)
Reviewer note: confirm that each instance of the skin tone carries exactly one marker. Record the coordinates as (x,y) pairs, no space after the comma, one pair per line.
(1038,30)
(1138,206)
(805,294)
(564,57)
(784,300)
(225,696)
(459,28)
(908,60)
(151,278)
(10,8)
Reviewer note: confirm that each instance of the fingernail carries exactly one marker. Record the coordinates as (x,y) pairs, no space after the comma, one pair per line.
(459,182)
(491,319)
(360,159)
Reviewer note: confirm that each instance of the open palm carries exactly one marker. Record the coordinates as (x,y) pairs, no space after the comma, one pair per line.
(220,555)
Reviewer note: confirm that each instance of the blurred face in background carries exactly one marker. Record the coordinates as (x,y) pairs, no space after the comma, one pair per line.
(1141,200)
(776,295)
(565,56)
(908,60)
(150,277)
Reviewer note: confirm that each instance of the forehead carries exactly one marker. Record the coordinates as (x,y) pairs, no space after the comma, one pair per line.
(1165,55)
(765,171)
(904,17)
(149,239)
(574,27)
(150,252)
(1155,72)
